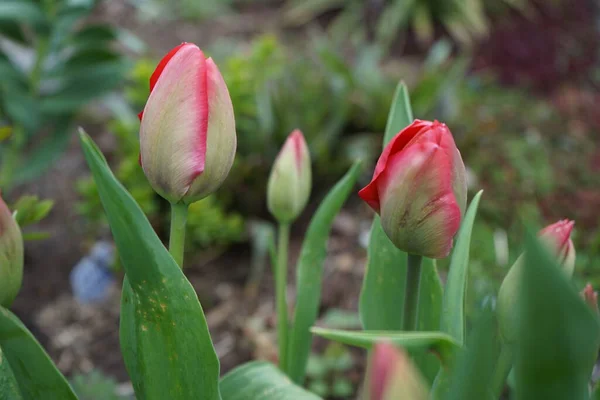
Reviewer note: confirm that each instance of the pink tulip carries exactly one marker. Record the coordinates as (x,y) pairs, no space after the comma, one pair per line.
(419,189)
(558,238)
(393,376)
(11,256)
(289,184)
(187,133)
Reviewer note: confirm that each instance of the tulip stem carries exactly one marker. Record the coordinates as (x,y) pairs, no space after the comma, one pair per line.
(177,238)
(411,294)
(503,367)
(281,292)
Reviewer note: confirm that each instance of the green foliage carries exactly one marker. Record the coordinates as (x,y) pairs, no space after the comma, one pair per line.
(309,273)
(555,355)
(162,322)
(261,381)
(30,209)
(453,317)
(465,20)
(50,66)
(326,372)
(32,369)
(95,386)
(441,343)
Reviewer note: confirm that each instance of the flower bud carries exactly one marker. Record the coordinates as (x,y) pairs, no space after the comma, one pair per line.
(591,298)
(558,239)
(419,189)
(289,184)
(187,133)
(393,376)
(11,256)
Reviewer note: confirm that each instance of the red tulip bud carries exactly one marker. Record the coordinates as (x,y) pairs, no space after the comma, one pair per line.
(187,133)
(289,184)
(558,239)
(591,298)
(420,190)
(11,256)
(393,376)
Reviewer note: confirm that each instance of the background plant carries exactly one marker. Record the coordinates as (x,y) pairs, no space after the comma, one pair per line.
(50,67)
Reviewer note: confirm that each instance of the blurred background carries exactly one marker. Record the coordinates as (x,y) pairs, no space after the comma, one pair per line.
(517,82)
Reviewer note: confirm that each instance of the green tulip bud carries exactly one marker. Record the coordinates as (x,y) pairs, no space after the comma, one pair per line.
(11,256)
(289,184)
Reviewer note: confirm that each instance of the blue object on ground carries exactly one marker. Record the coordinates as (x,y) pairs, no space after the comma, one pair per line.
(92,277)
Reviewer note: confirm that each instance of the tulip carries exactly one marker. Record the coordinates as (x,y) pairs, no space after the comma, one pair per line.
(11,256)
(557,237)
(419,189)
(289,184)
(393,376)
(187,133)
(591,298)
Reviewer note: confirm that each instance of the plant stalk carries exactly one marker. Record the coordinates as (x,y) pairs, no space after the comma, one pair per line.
(280,293)
(503,367)
(177,238)
(411,294)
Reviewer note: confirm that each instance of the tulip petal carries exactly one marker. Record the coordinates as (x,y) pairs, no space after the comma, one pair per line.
(162,64)
(370,193)
(419,209)
(174,124)
(219,136)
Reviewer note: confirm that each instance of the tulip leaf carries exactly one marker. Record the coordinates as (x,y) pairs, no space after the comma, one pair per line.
(453,306)
(164,336)
(558,334)
(9,388)
(34,372)
(442,344)
(260,380)
(430,308)
(400,115)
(309,274)
(477,360)
(382,295)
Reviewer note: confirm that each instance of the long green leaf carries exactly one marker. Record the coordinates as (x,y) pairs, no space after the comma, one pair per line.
(259,380)
(35,374)
(309,273)
(453,306)
(430,309)
(164,337)
(558,335)
(382,293)
(439,343)
(9,388)
(471,376)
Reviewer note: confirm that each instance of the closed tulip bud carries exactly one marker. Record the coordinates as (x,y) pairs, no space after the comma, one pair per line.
(419,189)
(591,298)
(557,238)
(187,133)
(393,376)
(11,256)
(290,181)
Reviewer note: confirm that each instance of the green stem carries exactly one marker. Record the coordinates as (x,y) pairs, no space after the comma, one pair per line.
(503,367)
(411,294)
(280,293)
(177,237)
